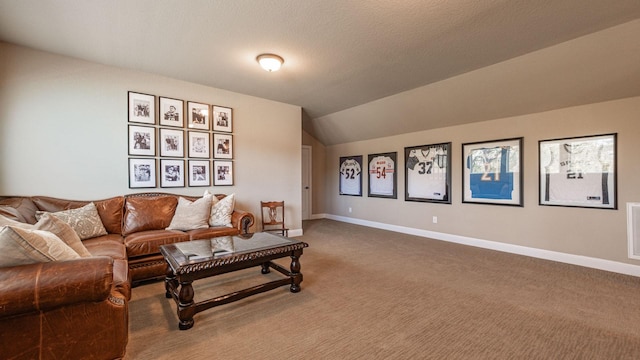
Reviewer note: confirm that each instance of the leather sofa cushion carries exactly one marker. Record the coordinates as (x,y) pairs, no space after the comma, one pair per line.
(108,245)
(199,234)
(148,213)
(148,242)
(24,210)
(110,210)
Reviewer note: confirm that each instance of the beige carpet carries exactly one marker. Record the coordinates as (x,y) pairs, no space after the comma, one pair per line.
(374,294)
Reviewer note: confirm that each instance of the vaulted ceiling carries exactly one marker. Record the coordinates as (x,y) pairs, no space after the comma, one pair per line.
(341,54)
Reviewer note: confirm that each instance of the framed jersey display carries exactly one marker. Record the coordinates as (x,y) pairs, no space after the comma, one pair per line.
(428,173)
(579,172)
(351,175)
(492,172)
(382,175)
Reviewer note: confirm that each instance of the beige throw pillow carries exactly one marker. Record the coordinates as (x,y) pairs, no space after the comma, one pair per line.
(222,210)
(20,246)
(56,226)
(85,220)
(191,215)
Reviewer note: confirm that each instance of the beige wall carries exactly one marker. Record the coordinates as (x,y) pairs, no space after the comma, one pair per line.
(588,232)
(318,179)
(63,132)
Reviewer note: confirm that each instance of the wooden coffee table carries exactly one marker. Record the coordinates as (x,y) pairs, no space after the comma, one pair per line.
(198,259)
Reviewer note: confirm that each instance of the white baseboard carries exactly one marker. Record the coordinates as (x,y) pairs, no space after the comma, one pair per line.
(585,261)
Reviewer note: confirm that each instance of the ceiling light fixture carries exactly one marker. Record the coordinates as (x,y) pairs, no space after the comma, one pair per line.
(270,62)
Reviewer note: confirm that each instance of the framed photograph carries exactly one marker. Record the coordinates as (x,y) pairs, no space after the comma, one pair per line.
(171,142)
(492,172)
(579,172)
(222,118)
(142,140)
(171,112)
(383,175)
(142,108)
(199,173)
(223,144)
(142,173)
(222,172)
(351,175)
(198,116)
(427,173)
(171,173)
(199,145)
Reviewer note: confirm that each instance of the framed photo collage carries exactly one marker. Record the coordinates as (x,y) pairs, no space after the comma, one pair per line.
(175,144)
(573,172)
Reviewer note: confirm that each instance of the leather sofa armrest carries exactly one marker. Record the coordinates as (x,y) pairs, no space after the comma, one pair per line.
(242,220)
(45,286)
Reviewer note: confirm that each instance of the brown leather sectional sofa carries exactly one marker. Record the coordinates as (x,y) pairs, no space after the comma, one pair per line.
(78,309)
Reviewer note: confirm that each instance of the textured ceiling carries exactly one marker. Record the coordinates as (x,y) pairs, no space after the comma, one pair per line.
(338,53)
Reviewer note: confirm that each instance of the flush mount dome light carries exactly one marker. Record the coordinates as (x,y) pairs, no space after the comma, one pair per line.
(270,62)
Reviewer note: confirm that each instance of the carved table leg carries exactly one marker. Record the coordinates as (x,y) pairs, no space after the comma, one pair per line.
(186,308)
(170,283)
(265,268)
(296,276)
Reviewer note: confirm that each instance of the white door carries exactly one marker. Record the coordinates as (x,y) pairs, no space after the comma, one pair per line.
(306,182)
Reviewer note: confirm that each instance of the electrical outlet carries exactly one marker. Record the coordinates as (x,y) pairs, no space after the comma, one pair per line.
(349,209)
(435,219)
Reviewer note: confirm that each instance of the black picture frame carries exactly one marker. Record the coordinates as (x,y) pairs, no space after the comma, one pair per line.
(222,119)
(427,173)
(492,172)
(222,146)
(172,173)
(142,140)
(383,176)
(171,112)
(578,172)
(142,173)
(199,144)
(171,142)
(198,116)
(350,175)
(141,108)
(199,173)
(222,173)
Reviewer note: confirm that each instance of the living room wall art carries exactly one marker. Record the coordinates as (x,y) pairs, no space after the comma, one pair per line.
(198,116)
(199,146)
(223,172)
(171,142)
(171,112)
(199,173)
(142,173)
(427,173)
(142,140)
(171,173)
(187,138)
(351,175)
(222,118)
(142,108)
(383,175)
(223,144)
(578,172)
(492,172)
